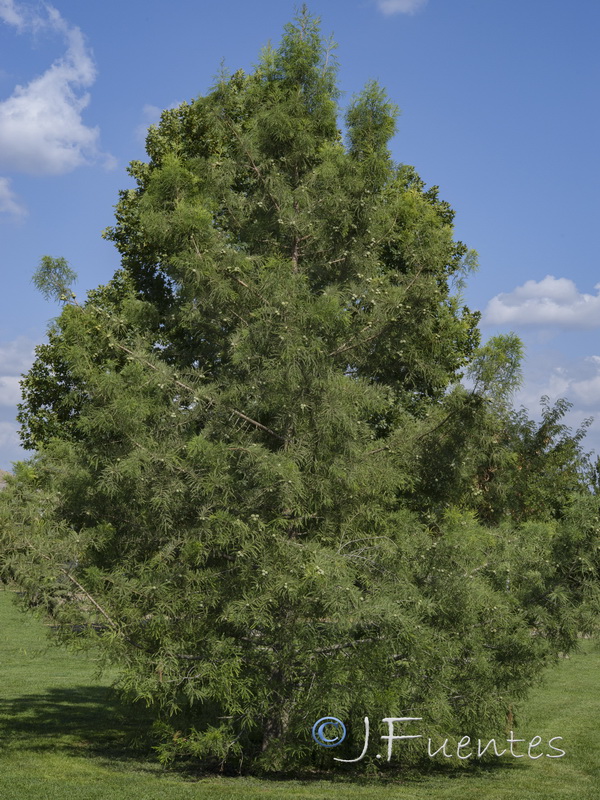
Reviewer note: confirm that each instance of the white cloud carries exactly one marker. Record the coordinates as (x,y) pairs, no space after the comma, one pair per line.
(41,127)
(10,391)
(17,356)
(389,7)
(551,302)
(9,438)
(12,15)
(588,391)
(10,445)
(585,383)
(9,203)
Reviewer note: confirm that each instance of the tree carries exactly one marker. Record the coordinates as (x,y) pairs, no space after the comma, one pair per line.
(225,495)
(484,455)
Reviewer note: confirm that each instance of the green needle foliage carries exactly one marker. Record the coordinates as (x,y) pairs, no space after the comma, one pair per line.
(257,480)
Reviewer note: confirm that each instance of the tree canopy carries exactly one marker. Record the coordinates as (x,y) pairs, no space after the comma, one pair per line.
(258,486)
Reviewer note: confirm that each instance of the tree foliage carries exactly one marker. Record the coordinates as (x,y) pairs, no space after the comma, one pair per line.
(258,487)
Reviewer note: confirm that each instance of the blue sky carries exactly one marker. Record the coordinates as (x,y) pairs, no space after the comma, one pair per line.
(500,108)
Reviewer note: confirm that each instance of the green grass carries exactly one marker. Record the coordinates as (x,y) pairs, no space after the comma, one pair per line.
(64,736)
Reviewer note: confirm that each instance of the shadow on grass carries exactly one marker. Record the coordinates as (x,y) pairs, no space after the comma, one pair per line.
(93,722)
(392,774)
(88,720)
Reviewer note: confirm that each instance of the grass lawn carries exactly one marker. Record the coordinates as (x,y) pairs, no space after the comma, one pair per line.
(63,736)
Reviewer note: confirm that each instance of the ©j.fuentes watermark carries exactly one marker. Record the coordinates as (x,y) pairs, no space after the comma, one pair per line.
(331,731)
